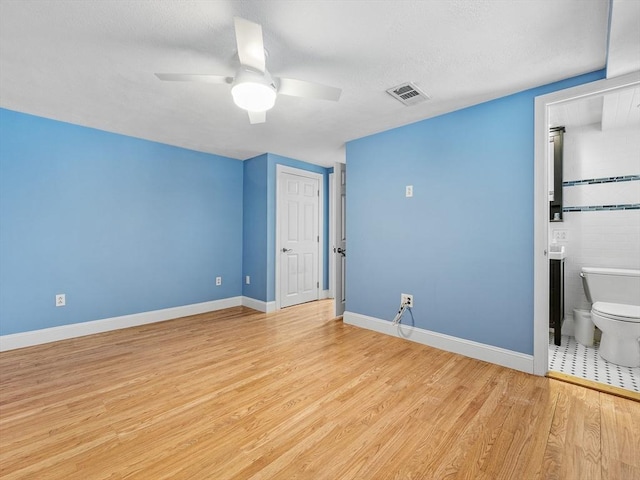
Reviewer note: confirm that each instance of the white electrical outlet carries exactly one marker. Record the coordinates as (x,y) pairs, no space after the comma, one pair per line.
(61,300)
(408,191)
(406,299)
(218,281)
(247,280)
(560,235)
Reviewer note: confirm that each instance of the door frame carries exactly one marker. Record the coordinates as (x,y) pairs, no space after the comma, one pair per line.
(331,212)
(541,205)
(336,221)
(280,169)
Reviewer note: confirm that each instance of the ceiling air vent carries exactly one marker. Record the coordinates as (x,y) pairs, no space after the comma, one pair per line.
(408,93)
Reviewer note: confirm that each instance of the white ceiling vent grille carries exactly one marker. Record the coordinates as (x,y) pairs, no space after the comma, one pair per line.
(408,93)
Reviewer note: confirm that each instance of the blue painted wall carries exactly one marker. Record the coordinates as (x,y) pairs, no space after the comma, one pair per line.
(118,224)
(254,232)
(123,225)
(259,235)
(463,245)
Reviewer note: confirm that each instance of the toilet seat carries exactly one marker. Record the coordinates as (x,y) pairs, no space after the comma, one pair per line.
(617,311)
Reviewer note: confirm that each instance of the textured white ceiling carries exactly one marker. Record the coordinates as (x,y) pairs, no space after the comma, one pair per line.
(91,63)
(623,55)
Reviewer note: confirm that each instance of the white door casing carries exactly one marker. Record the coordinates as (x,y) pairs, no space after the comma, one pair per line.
(340,236)
(298,237)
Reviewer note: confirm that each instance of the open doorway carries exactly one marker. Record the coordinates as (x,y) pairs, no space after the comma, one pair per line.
(299,239)
(339,238)
(590,125)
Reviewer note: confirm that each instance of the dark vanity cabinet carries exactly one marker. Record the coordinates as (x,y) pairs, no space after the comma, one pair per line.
(556,298)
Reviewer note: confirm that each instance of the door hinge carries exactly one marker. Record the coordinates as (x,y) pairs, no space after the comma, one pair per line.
(318,192)
(318,239)
(317,284)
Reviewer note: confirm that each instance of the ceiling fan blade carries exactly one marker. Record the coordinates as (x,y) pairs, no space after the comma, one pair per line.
(257,117)
(186,77)
(250,44)
(300,88)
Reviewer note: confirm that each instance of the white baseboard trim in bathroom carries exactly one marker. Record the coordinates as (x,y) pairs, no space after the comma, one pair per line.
(261,306)
(324,294)
(64,332)
(480,351)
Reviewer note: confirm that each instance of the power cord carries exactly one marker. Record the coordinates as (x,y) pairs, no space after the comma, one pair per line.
(398,317)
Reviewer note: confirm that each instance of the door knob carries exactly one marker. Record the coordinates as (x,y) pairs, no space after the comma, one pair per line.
(342,251)
(285,250)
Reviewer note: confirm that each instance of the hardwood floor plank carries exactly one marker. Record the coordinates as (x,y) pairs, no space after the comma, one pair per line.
(455,430)
(239,394)
(620,440)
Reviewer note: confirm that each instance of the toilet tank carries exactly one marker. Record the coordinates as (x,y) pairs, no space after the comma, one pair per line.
(613,285)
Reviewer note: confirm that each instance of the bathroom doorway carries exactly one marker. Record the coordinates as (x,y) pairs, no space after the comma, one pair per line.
(599,222)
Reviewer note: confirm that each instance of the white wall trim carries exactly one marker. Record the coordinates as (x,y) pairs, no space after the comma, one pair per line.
(64,332)
(468,348)
(259,305)
(541,205)
(324,294)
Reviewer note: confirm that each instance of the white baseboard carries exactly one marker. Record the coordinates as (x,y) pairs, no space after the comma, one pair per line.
(324,294)
(63,332)
(468,348)
(259,305)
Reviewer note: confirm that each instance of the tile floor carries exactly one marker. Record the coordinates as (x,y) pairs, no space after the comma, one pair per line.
(575,359)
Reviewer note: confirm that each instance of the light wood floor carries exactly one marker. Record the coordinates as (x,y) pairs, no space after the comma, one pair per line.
(238,394)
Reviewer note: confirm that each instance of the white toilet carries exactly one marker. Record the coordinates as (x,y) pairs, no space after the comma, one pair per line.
(615,297)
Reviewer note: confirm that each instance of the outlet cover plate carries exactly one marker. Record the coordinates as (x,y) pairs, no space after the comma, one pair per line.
(406,298)
(560,235)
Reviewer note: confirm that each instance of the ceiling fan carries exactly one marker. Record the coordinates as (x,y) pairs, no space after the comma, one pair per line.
(253,88)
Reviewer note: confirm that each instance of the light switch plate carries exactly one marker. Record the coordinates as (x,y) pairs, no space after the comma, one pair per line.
(61,300)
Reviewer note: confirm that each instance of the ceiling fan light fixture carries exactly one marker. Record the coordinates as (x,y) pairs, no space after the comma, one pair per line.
(252,88)
(253,91)
(253,96)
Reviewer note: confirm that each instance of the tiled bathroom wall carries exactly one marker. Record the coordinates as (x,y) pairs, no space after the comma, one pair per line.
(601,206)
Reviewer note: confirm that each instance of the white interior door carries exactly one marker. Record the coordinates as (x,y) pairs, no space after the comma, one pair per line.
(340,236)
(298,215)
